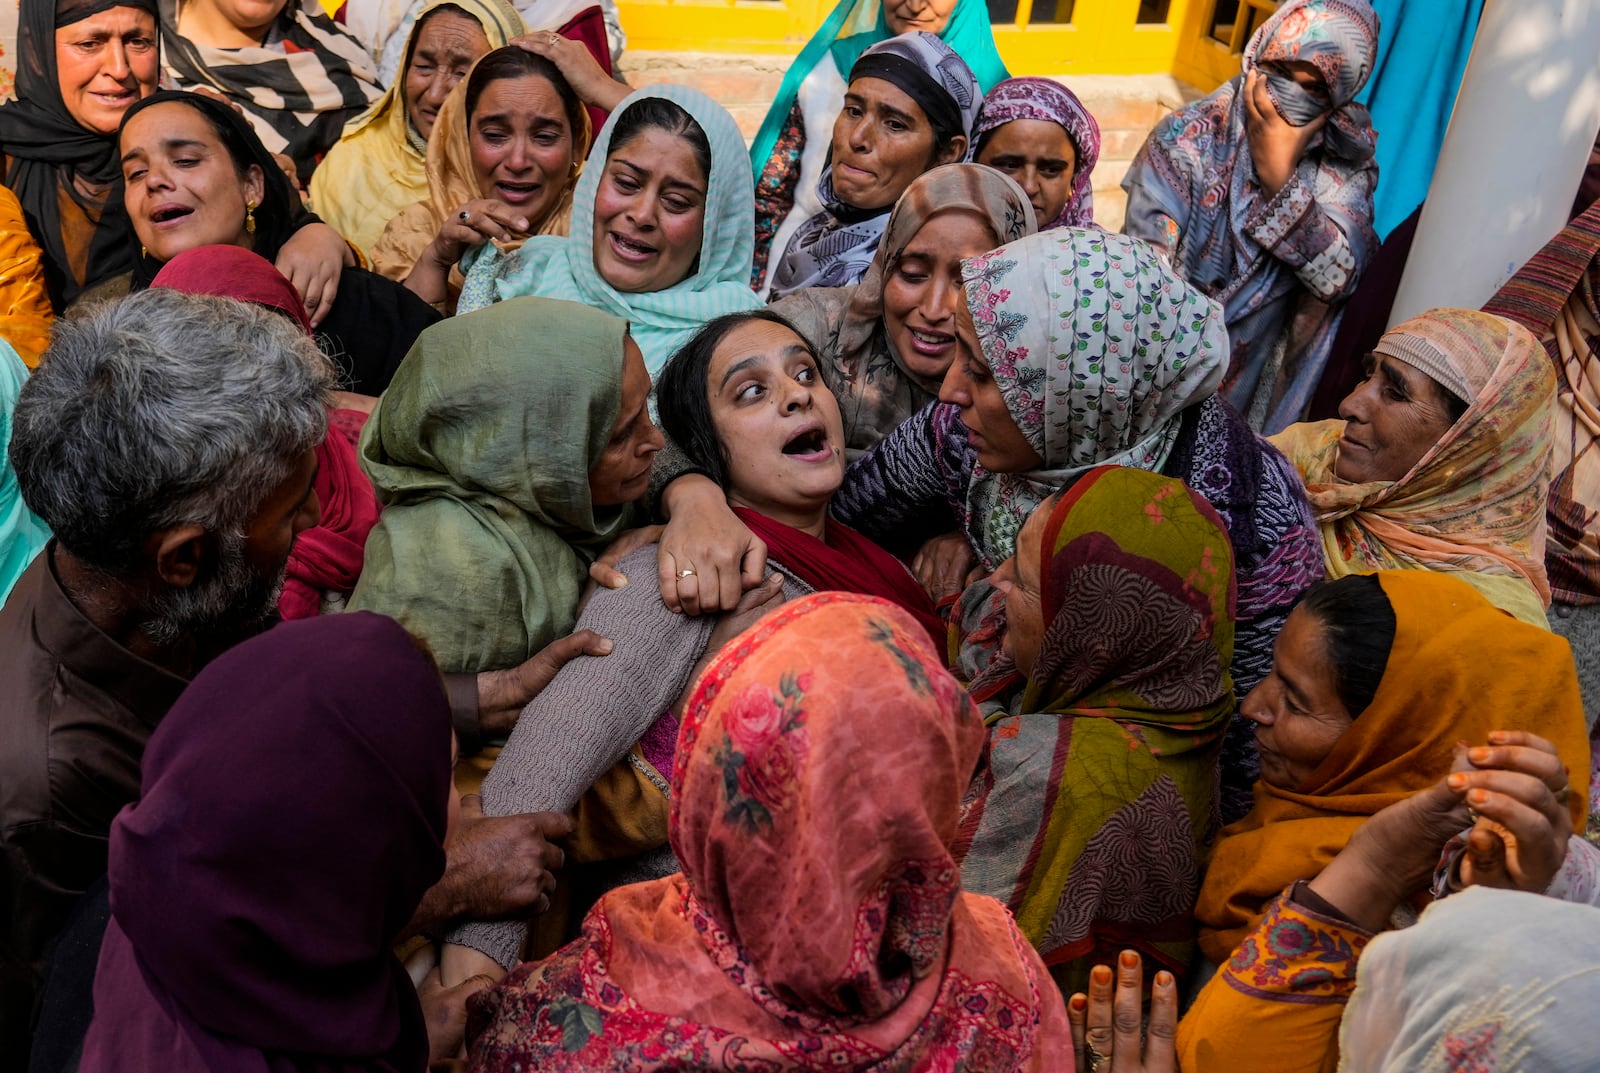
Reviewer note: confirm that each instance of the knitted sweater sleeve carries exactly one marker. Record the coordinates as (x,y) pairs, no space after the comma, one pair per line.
(590,715)
(898,492)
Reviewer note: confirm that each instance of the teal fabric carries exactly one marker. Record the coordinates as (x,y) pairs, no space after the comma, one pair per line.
(552,266)
(1423,47)
(968,32)
(22,534)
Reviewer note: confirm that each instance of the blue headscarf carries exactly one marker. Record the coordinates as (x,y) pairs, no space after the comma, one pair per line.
(22,534)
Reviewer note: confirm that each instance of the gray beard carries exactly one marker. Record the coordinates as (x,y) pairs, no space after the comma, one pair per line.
(231,602)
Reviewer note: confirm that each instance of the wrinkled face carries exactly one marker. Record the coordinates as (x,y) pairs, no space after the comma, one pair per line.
(183,189)
(649,213)
(622,473)
(252,17)
(1298,715)
(908,16)
(1018,578)
(105,63)
(970,386)
(779,426)
(1391,420)
(882,140)
(521,145)
(290,510)
(1040,156)
(921,294)
(447,45)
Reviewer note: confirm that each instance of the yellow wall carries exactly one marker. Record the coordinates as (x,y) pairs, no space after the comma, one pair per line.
(1097,36)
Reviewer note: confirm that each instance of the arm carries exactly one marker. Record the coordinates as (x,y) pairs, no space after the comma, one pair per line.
(588,80)
(25,310)
(470,226)
(775,189)
(1154,213)
(898,492)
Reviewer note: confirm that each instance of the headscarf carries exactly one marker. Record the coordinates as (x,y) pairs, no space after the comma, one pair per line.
(298,88)
(377,169)
(850,29)
(563,267)
(22,533)
(834,247)
(1049,101)
(1488,981)
(328,556)
(1098,794)
(1475,503)
(1458,668)
(480,451)
(875,388)
(1098,348)
(292,815)
(819,920)
(1556,295)
(278,215)
(1196,169)
(49,149)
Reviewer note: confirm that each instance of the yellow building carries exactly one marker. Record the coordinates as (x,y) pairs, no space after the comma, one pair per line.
(1199,41)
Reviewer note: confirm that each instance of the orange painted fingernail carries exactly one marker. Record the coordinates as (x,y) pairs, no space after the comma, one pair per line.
(1499,735)
(1129,959)
(1101,974)
(1164,979)
(1456,781)
(1080,1003)
(1478,797)
(1480,755)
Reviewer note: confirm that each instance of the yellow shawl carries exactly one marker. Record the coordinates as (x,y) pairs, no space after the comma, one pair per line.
(1475,503)
(376,169)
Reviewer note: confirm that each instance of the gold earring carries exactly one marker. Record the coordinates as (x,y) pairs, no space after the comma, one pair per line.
(250,217)
(144,251)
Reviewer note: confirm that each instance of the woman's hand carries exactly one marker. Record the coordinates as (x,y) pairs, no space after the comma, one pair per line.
(1276,145)
(473,224)
(708,556)
(1106,1026)
(1520,792)
(445,1011)
(603,571)
(312,260)
(946,565)
(578,65)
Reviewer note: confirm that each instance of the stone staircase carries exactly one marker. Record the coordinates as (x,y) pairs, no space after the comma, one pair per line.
(1125,106)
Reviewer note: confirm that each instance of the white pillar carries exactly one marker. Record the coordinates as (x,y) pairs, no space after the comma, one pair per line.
(1524,121)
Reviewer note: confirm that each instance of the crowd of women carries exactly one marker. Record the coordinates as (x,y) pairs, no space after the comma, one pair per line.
(869,574)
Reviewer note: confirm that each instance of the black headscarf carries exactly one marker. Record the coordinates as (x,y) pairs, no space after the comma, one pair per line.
(49,148)
(280,213)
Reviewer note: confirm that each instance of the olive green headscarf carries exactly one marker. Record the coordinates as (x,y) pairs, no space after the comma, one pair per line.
(480,451)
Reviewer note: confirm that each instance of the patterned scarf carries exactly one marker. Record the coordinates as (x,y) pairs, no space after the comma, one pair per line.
(1049,101)
(835,247)
(819,921)
(1098,348)
(298,91)
(1475,503)
(1098,794)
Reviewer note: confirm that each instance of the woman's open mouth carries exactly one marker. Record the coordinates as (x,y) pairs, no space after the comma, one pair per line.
(630,250)
(167,214)
(930,344)
(809,445)
(518,193)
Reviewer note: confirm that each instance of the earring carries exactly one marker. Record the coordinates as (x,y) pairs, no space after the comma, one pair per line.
(144,251)
(250,217)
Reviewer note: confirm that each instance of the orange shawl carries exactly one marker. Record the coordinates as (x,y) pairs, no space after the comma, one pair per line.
(1475,503)
(1458,669)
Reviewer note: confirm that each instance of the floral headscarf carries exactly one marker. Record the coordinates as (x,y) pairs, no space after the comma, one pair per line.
(1340,39)
(819,921)
(1475,503)
(1098,348)
(1047,100)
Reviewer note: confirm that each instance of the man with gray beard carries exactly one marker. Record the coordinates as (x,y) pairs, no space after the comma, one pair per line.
(168,440)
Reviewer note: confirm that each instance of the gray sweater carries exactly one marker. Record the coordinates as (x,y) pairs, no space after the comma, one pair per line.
(593,712)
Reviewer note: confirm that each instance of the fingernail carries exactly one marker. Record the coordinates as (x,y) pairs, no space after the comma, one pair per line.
(1478,797)
(1463,743)
(522,223)
(1479,755)
(1457,781)
(1498,735)
(1129,959)
(1080,1003)
(605,645)
(1165,979)
(1101,974)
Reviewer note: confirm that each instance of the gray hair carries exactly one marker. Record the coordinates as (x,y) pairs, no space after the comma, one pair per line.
(164,409)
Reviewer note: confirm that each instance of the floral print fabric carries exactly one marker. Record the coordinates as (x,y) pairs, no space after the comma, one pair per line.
(1047,100)
(1097,347)
(819,922)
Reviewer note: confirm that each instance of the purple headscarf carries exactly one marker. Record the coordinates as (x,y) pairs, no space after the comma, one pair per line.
(293,813)
(1048,100)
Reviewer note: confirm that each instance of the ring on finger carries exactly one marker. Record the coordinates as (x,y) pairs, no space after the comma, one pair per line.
(1095,1058)
(1564,794)
(464,216)
(686,572)
(553,39)
(1472,815)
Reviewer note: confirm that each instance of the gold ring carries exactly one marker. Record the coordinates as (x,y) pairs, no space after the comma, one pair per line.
(1472,815)
(1096,1059)
(685,573)
(1564,794)
(554,39)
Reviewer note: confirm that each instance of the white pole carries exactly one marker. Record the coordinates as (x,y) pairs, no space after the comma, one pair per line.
(1524,121)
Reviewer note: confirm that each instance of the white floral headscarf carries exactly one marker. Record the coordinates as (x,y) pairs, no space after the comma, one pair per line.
(1098,347)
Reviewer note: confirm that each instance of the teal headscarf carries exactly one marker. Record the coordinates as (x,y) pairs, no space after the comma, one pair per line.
(968,32)
(22,534)
(553,266)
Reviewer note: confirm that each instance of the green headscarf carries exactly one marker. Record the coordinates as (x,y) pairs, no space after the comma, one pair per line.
(842,34)
(22,534)
(480,452)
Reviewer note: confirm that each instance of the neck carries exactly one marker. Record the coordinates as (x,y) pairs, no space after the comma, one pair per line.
(114,607)
(201,22)
(812,520)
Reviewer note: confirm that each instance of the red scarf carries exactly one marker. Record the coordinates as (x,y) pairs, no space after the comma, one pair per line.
(848,562)
(328,557)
